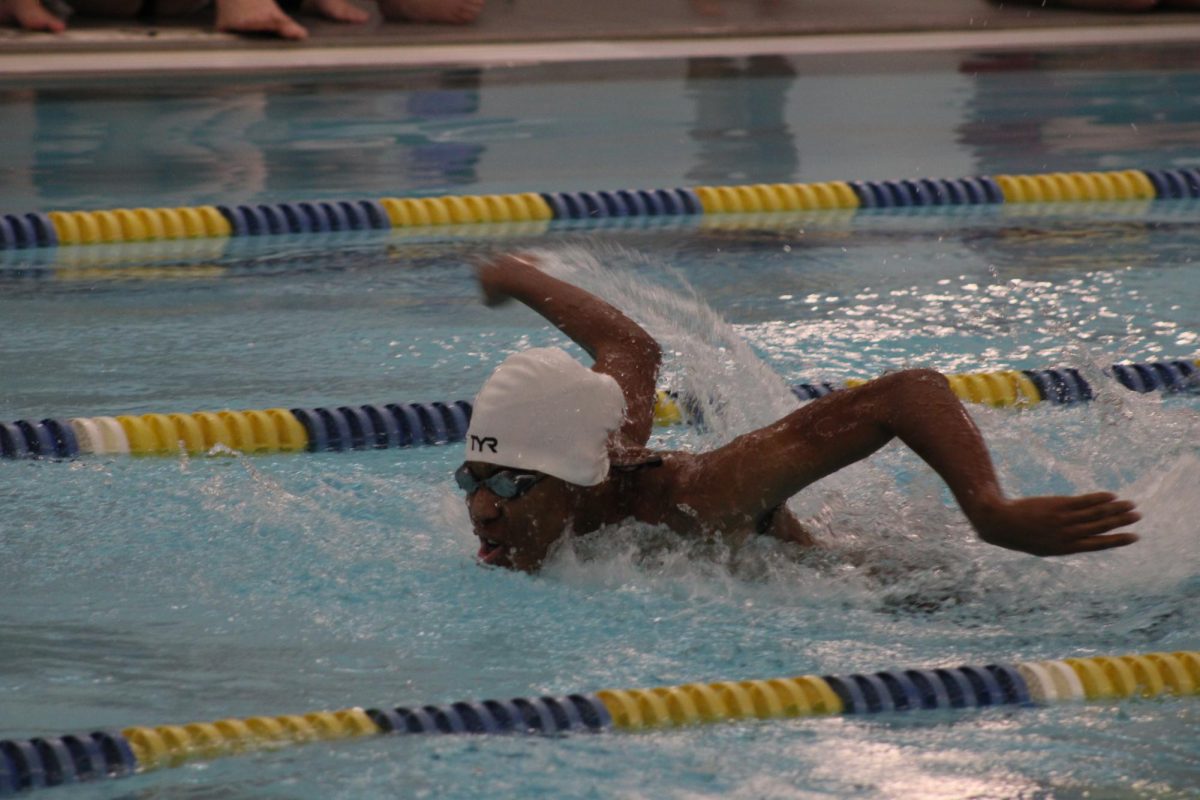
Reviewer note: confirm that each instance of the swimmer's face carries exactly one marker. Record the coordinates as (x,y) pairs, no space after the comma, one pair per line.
(515,532)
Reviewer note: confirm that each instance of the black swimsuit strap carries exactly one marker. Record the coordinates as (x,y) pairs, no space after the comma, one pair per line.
(634,466)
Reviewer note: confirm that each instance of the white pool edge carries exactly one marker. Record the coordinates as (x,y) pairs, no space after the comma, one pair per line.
(328,59)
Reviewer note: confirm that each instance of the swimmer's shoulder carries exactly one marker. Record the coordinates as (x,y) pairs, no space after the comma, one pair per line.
(666,483)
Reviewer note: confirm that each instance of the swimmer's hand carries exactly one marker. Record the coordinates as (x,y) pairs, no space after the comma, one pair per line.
(500,277)
(1056,526)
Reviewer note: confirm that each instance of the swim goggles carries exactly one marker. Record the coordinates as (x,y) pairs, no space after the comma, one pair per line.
(506,483)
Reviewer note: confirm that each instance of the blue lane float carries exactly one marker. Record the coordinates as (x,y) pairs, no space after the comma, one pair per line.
(1170,376)
(369,427)
(1175,184)
(534,715)
(44,762)
(623,203)
(305,217)
(927,192)
(1061,386)
(48,438)
(20,231)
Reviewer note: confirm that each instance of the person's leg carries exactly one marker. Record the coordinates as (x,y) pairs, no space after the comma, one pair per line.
(30,15)
(455,12)
(919,408)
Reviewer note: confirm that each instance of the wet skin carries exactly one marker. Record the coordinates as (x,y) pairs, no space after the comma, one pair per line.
(516,533)
(743,486)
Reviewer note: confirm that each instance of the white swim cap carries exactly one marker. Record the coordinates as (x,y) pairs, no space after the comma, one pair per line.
(542,410)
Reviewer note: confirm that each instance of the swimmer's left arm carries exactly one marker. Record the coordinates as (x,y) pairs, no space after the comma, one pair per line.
(760,470)
(621,348)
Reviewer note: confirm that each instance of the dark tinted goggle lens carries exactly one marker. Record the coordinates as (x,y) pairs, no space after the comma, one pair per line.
(503,484)
(465,480)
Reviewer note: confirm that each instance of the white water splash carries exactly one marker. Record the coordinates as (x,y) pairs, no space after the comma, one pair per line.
(703,356)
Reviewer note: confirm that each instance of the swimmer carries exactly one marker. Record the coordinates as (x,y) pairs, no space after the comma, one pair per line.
(556,449)
(237,16)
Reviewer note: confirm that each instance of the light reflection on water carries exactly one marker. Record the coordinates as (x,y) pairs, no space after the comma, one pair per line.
(701,121)
(146,591)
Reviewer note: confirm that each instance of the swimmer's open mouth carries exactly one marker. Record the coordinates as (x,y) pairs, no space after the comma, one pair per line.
(491,551)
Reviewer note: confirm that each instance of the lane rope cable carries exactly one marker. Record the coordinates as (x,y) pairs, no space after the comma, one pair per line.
(393,425)
(59,228)
(47,761)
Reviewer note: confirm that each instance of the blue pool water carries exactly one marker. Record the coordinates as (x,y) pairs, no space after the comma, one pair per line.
(143,591)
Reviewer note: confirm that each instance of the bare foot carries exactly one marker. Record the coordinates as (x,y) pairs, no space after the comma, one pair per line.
(29,15)
(257,16)
(340,11)
(455,12)
(1057,526)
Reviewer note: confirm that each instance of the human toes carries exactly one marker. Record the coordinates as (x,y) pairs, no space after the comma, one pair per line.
(281,25)
(341,11)
(260,16)
(31,17)
(288,28)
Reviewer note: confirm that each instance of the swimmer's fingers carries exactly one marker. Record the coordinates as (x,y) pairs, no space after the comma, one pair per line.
(1092,544)
(1090,528)
(1083,502)
(1059,526)
(1100,526)
(1099,512)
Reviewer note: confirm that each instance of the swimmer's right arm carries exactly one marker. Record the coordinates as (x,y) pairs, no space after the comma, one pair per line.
(621,348)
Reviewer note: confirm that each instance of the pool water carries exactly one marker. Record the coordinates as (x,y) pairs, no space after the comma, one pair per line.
(144,591)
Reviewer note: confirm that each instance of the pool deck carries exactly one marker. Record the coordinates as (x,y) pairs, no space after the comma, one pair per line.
(558,30)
